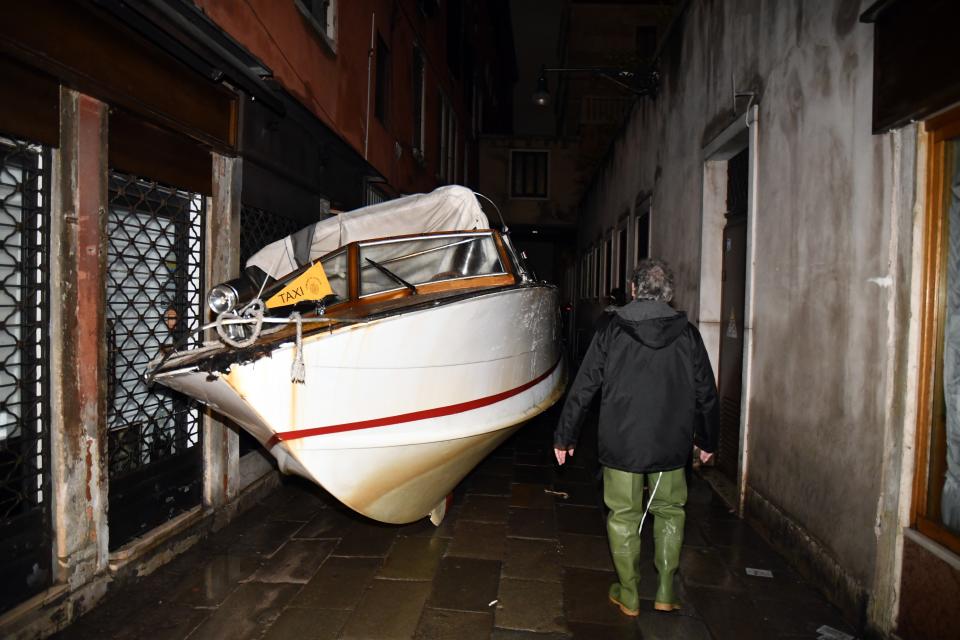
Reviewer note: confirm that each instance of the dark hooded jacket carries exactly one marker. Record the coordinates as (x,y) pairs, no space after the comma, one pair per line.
(658,394)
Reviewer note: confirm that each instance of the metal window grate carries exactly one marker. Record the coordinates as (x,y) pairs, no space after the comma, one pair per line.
(24,373)
(259,228)
(154,294)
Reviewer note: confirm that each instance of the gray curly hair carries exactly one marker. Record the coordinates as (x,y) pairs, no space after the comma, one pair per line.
(653,279)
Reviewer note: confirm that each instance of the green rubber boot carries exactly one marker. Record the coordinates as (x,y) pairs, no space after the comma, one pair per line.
(668,520)
(623,494)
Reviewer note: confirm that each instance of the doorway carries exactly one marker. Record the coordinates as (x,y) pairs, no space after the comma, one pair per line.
(725,300)
(732,302)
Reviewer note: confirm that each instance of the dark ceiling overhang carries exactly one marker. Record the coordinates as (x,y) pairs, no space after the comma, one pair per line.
(185,32)
(915,72)
(79,46)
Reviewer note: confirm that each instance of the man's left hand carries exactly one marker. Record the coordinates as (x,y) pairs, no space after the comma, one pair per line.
(561,454)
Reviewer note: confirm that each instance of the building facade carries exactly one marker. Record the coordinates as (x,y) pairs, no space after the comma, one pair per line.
(798,169)
(595,56)
(146,150)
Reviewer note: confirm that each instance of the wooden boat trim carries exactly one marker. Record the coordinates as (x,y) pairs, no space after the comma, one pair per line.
(436,412)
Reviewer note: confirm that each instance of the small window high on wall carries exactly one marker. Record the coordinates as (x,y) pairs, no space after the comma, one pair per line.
(529,174)
(322,14)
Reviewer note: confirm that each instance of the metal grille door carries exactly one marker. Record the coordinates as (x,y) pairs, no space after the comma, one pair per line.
(25,550)
(154,293)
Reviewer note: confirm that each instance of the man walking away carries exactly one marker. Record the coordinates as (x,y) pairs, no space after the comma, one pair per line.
(658,398)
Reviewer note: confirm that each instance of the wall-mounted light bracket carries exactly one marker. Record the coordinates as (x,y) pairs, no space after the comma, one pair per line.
(643,83)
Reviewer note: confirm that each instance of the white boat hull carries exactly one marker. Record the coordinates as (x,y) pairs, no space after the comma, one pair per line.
(394,412)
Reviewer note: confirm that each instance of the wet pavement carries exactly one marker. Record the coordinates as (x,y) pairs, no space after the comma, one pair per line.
(522,554)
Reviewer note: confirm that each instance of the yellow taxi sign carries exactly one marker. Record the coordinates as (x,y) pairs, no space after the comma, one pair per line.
(310,286)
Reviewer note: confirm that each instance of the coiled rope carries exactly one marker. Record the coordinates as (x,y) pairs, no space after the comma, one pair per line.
(253,315)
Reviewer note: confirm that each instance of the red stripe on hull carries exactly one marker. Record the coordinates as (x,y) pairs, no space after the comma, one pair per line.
(412,416)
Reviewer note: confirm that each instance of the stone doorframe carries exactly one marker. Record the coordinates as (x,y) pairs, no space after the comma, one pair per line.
(739,135)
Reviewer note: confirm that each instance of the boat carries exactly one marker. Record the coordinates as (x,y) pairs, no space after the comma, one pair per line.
(381,353)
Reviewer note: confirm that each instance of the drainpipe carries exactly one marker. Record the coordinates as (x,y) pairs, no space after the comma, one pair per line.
(366,127)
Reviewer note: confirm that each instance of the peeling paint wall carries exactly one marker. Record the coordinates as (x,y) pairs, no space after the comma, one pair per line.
(824,264)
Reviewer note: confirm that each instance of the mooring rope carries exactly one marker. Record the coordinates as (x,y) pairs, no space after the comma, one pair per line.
(298,370)
(253,312)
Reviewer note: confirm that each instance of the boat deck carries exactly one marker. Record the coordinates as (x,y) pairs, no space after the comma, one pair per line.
(214,355)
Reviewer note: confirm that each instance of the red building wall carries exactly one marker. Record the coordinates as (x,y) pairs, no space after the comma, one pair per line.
(334,85)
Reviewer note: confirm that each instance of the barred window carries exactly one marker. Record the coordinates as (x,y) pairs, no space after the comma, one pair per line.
(528,174)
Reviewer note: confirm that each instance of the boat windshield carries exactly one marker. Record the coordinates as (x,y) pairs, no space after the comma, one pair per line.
(335,267)
(427,259)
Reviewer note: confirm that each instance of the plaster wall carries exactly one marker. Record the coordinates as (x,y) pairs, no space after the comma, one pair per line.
(819,395)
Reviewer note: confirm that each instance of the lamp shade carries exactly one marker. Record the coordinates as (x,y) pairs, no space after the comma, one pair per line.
(541,97)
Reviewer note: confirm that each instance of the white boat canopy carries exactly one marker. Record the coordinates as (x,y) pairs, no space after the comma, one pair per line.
(450,208)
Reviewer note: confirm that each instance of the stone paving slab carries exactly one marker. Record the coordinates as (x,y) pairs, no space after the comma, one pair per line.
(588,631)
(313,623)
(389,610)
(483,508)
(213,580)
(414,558)
(533,474)
(531,496)
(250,609)
(465,584)
(532,523)
(339,584)
(261,539)
(529,605)
(513,634)
(583,520)
(730,616)
(511,561)
(579,493)
(532,560)
(656,625)
(327,523)
(585,552)
(585,598)
(439,624)
(487,484)
(472,539)
(295,562)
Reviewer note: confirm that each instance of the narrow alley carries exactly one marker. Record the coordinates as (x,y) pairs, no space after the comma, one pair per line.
(522,554)
(275,274)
